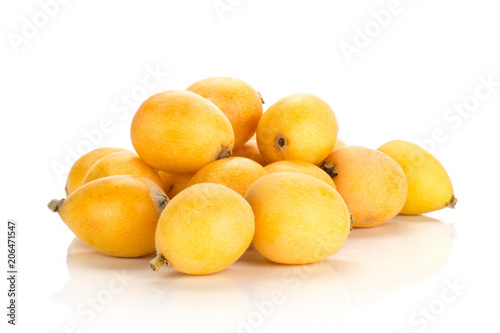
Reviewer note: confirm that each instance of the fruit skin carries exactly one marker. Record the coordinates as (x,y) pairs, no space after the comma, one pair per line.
(299,219)
(175,183)
(80,168)
(339,144)
(122,163)
(203,230)
(115,215)
(429,186)
(302,167)
(180,132)
(237,173)
(251,151)
(372,184)
(237,99)
(298,127)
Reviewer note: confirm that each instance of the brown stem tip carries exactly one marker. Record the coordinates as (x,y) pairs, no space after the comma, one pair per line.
(224,152)
(452,202)
(261,99)
(162,201)
(158,262)
(55,204)
(280,142)
(329,168)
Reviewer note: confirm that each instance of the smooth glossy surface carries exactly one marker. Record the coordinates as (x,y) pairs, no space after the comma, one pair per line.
(376,267)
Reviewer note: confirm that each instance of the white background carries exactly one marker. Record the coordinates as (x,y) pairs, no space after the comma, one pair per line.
(78,69)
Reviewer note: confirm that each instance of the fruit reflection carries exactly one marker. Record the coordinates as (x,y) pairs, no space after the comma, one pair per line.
(405,252)
(402,253)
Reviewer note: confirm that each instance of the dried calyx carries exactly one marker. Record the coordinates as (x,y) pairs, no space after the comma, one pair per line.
(224,152)
(280,142)
(329,168)
(162,201)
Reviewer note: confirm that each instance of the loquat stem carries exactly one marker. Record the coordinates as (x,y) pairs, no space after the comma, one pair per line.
(158,262)
(329,169)
(261,99)
(162,201)
(452,202)
(225,152)
(55,204)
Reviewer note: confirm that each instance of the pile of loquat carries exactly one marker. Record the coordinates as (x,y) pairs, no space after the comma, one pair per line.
(212,174)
